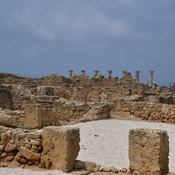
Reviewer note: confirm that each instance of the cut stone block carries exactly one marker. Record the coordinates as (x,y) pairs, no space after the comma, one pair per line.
(148,152)
(60,147)
(33,116)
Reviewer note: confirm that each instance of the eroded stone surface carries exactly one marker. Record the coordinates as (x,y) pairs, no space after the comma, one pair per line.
(63,143)
(148,152)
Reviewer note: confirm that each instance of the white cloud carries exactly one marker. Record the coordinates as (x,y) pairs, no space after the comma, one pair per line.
(66,21)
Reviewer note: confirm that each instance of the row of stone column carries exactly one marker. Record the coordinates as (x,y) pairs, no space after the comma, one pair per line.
(95,73)
(151,77)
(124,73)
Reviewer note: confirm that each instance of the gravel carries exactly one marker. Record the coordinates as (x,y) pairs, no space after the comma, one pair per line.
(105,142)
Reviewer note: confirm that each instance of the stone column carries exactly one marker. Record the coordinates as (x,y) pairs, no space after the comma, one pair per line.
(83,72)
(70,73)
(124,73)
(96,73)
(109,73)
(151,78)
(137,76)
(148,151)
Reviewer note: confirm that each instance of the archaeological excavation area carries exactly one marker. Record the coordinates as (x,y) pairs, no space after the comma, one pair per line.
(39,121)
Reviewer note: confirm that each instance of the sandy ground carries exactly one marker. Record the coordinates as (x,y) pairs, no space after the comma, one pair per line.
(105,142)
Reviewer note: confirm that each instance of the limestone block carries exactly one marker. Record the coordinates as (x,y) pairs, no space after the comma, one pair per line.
(79,164)
(9,158)
(137,114)
(63,143)
(90,166)
(2,148)
(148,152)
(144,115)
(123,114)
(97,113)
(165,110)
(10,147)
(33,116)
(119,104)
(28,154)
(5,120)
(114,170)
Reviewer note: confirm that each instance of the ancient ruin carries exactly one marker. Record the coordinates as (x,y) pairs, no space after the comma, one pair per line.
(34,114)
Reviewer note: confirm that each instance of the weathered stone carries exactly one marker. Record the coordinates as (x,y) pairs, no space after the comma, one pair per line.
(89,166)
(114,170)
(123,114)
(63,143)
(79,164)
(148,152)
(5,120)
(30,162)
(97,168)
(35,142)
(34,135)
(28,154)
(101,168)
(123,170)
(28,146)
(9,147)
(106,169)
(22,166)
(33,116)
(40,148)
(2,148)
(5,137)
(9,158)
(23,160)
(4,154)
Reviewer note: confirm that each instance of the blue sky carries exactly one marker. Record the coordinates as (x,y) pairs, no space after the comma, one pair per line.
(43,37)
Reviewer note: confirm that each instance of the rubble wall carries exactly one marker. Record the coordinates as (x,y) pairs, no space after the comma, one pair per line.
(151,112)
(27,147)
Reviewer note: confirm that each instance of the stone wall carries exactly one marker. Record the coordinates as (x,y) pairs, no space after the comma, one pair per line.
(64,112)
(157,112)
(25,147)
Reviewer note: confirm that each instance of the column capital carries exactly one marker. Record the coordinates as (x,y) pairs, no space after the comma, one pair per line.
(70,73)
(109,73)
(96,73)
(83,72)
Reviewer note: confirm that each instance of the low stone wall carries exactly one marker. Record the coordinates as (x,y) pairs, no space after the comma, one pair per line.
(64,112)
(52,148)
(157,112)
